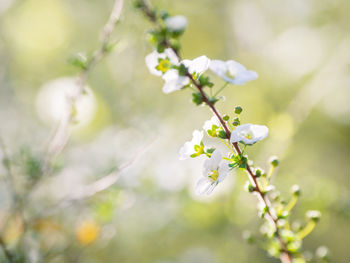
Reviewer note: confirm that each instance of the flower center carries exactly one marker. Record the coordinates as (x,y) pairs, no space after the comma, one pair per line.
(248,135)
(164,65)
(229,75)
(214,175)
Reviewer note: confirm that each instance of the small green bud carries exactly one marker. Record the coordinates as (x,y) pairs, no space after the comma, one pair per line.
(247,236)
(79,60)
(226,117)
(283,215)
(313,215)
(296,226)
(249,187)
(235,123)
(163,14)
(274,161)
(238,110)
(322,253)
(258,172)
(294,247)
(222,134)
(295,190)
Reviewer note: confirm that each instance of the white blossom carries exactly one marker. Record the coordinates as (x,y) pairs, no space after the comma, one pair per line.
(189,147)
(215,171)
(249,133)
(208,125)
(232,72)
(152,60)
(176,23)
(173,81)
(198,65)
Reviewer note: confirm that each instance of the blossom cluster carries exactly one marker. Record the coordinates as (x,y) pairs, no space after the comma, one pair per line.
(283,241)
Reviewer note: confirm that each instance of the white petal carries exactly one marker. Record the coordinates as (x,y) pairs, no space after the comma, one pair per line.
(209,124)
(212,163)
(152,61)
(239,74)
(235,68)
(173,81)
(212,187)
(199,65)
(223,171)
(197,137)
(176,23)
(244,77)
(186,151)
(173,58)
(256,132)
(203,185)
(219,67)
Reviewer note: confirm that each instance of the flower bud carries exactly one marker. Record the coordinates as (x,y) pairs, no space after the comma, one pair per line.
(322,252)
(247,236)
(238,109)
(226,117)
(313,215)
(258,172)
(295,190)
(222,134)
(274,161)
(176,23)
(249,187)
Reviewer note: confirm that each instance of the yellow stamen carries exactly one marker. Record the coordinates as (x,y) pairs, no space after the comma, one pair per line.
(214,175)
(164,65)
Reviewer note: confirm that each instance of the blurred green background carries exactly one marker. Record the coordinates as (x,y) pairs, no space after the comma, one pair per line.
(301,50)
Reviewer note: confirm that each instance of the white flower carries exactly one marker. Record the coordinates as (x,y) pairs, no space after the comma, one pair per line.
(215,171)
(169,58)
(198,65)
(249,133)
(208,125)
(173,81)
(176,23)
(232,72)
(189,147)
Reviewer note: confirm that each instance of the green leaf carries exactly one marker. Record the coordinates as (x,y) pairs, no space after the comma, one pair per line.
(78,60)
(210,150)
(204,81)
(182,70)
(222,134)
(197,98)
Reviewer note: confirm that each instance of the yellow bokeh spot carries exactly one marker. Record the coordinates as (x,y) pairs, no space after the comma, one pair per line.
(38,29)
(87,232)
(13,230)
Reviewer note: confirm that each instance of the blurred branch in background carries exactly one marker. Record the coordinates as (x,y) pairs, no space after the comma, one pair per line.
(61,135)
(37,170)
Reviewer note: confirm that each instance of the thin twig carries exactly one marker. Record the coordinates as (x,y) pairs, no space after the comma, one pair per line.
(62,133)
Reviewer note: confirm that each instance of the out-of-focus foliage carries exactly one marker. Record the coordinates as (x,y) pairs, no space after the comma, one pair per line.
(301,50)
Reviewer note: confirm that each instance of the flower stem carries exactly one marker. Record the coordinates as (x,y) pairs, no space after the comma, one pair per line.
(307,229)
(291,203)
(221,89)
